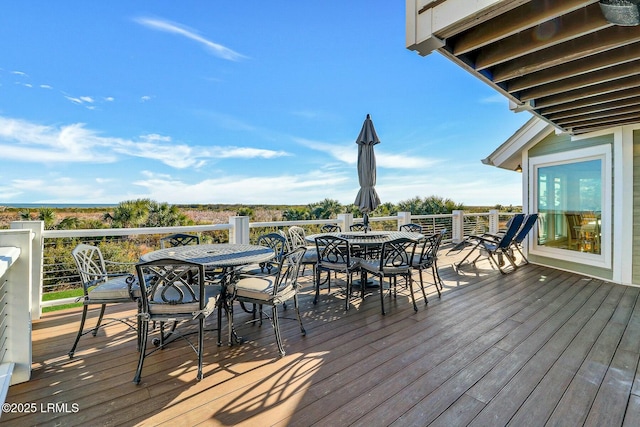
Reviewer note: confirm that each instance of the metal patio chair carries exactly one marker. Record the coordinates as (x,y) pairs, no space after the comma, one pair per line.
(100,287)
(174,291)
(395,260)
(272,290)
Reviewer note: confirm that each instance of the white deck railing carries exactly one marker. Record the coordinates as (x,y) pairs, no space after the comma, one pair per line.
(16,261)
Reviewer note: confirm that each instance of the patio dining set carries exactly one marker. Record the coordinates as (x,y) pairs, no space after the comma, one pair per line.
(186,281)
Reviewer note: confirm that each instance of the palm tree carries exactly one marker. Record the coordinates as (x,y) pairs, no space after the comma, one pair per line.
(47,215)
(327,208)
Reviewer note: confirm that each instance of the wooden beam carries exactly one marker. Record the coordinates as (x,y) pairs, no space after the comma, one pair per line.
(595,108)
(611,88)
(524,17)
(582,81)
(551,33)
(621,55)
(588,102)
(582,47)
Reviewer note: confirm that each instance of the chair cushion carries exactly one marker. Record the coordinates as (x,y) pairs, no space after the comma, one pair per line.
(417,263)
(113,289)
(373,266)
(188,305)
(260,288)
(310,256)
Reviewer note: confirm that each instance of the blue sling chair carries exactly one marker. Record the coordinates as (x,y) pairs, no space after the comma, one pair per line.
(496,245)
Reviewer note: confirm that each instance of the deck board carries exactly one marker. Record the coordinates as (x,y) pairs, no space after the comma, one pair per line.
(537,346)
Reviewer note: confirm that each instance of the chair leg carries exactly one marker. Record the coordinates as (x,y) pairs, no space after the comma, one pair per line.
(143,350)
(220,307)
(276,329)
(382,294)
(102,309)
(409,279)
(200,346)
(317,286)
(424,294)
(82,321)
(346,308)
(297,308)
(436,277)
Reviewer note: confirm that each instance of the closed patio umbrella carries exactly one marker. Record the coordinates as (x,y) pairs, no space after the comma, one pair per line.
(367,199)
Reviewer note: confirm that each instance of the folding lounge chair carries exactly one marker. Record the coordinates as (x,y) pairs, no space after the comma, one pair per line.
(527,225)
(496,245)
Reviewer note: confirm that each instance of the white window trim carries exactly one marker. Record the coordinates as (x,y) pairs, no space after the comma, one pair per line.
(600,152)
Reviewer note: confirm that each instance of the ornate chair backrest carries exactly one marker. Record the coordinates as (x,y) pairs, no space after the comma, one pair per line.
(90,263)
(289,270)
(179,240)
(172,287)
(411,227)
(330,228)
(429,249)
(276,242)
(333,251)
(297,236)
(359,227)
(397,254)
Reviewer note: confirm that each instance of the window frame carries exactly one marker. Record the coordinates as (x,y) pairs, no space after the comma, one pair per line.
(599,152)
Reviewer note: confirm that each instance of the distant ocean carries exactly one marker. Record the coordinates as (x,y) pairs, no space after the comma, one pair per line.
(57,205)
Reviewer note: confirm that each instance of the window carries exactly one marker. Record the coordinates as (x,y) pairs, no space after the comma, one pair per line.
(572,197)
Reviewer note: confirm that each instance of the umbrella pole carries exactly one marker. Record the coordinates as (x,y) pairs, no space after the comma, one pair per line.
(365,220)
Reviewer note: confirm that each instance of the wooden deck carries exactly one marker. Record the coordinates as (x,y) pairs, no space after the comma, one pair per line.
(534,347)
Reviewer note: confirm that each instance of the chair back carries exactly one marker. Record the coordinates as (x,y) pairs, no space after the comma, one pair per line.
(411,227)
(275,241)
(297,236)
(174,240)
(526,227)
(172,287)
(429,249)
(513,228)
(288,271)
(90,263)
(397,254)
(333,251)
(359,227)
(330,228)
(287,241)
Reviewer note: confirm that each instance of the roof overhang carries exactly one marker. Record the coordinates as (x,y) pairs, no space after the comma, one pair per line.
(509,154)
(561,60)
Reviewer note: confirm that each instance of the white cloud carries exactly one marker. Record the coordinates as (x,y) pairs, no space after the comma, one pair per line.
(348,153)
(145,98)
(169,27)
(28,142)
(46,87)
(246,189)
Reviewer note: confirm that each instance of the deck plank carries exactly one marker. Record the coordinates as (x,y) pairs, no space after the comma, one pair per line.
(534,346)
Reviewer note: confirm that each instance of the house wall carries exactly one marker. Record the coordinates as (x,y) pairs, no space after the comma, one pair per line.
(635,270)
(561,143)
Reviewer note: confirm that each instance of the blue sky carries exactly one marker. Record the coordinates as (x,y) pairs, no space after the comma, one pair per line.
(236,102)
